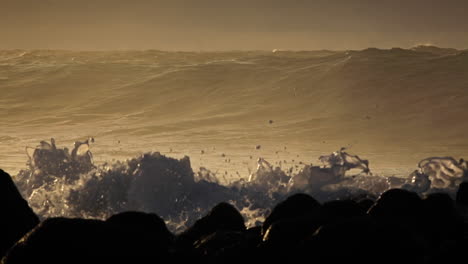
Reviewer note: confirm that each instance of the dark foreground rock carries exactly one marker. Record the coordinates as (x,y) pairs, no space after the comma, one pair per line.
(134,237)
(16,217)
(400,226)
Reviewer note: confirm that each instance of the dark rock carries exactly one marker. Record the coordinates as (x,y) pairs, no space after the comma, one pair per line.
(462,194)
(295,206)
(397,203)
(64,240)
(223,217)
(285,234)
(17,217)
(340,210)
(226,246)
(147,227)
(353,240)
(443,225)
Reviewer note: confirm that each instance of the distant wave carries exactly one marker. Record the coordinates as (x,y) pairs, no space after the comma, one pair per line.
(400,101)
(347,82)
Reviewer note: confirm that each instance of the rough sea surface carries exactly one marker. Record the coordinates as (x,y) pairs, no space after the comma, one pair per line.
(224,110)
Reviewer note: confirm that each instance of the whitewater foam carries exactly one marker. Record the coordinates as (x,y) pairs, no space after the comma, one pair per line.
(60,182)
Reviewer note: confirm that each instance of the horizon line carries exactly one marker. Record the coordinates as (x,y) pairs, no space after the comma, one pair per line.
(227,50)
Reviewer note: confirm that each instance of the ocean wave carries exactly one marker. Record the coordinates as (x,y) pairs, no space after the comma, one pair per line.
(394,106)
(63,182)
(254,81)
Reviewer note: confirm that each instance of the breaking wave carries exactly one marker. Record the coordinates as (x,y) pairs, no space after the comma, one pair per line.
(60,182)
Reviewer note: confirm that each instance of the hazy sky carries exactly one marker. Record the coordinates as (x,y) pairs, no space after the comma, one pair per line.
(233,24)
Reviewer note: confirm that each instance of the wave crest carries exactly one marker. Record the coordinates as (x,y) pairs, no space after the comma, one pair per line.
(59,183)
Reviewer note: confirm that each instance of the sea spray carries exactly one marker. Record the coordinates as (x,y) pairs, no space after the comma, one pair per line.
(59,183)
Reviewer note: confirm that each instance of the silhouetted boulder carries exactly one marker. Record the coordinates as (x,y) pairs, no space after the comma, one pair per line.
(366,203)
(396,204)
(147,227)
(226,246)
(298,205)
(255,233)
(399,214)
(63,240)
(443,226)
(285,234)
(352,240)
(462,205)
(340,210)
(223,217)
(442,218)
(462,194)
(17,218)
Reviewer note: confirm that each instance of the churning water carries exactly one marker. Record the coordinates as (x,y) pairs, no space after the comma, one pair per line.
(224,111)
